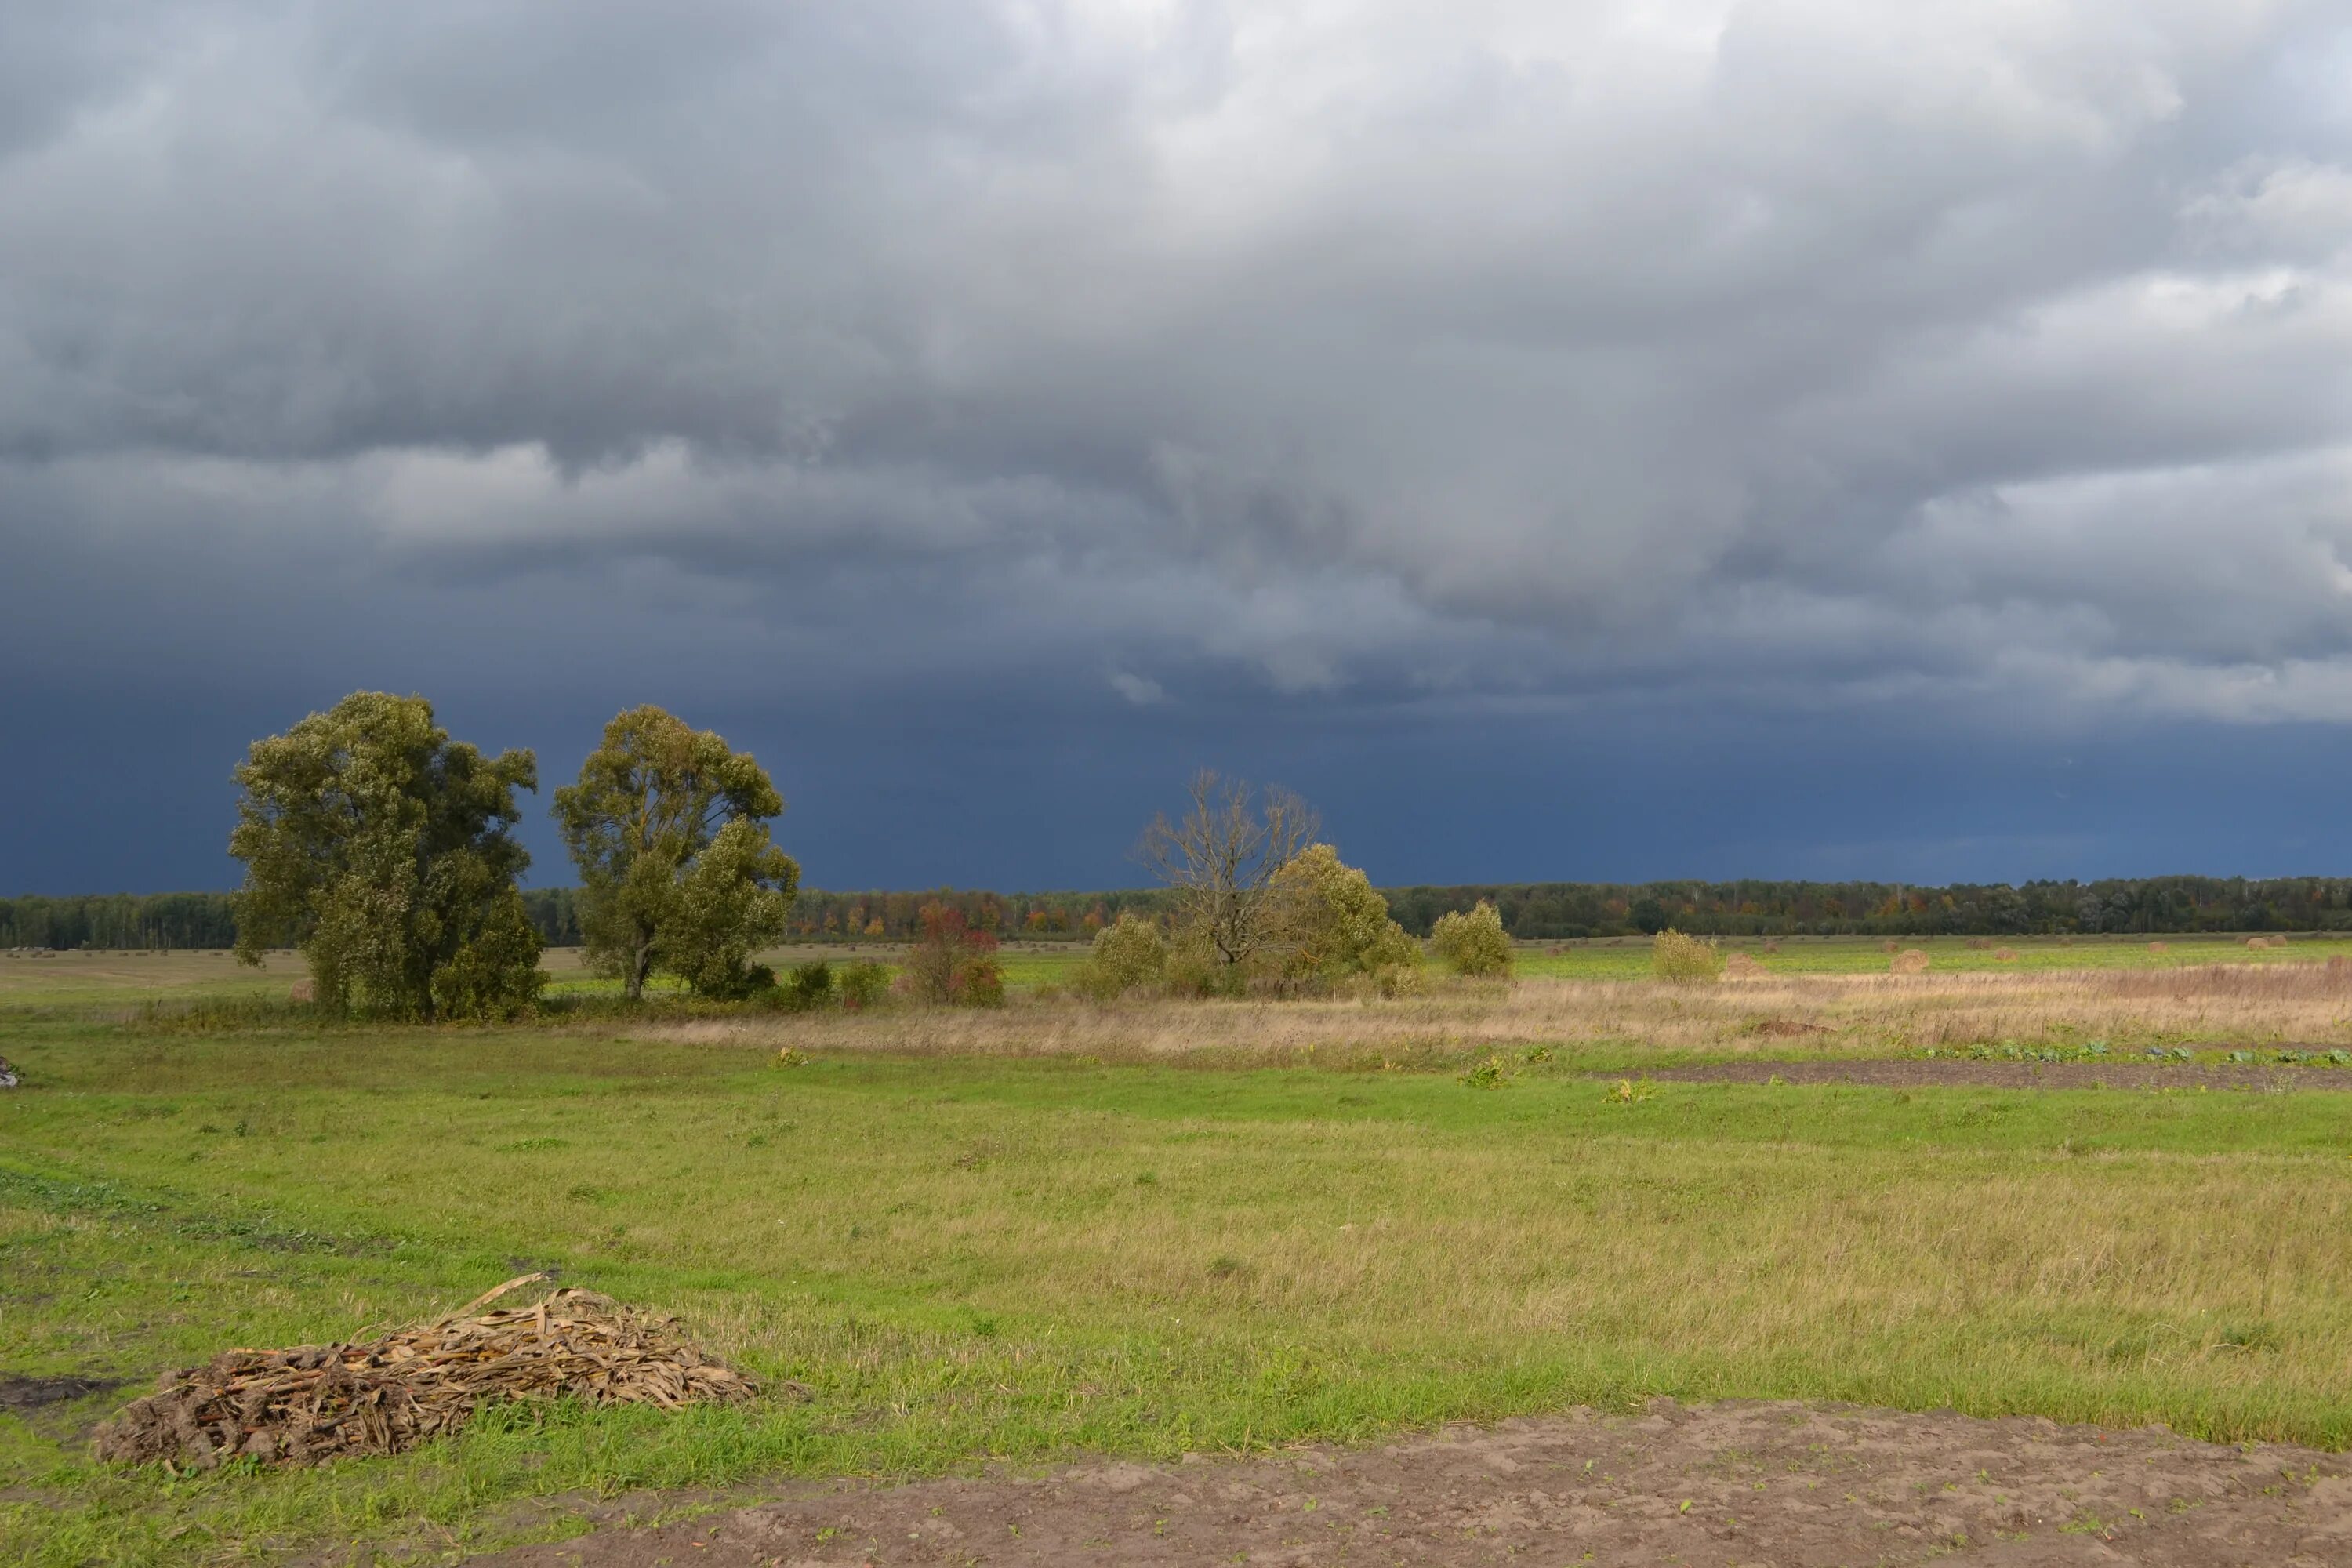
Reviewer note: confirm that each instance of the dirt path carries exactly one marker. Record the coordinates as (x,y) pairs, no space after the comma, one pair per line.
(1724,1485)
(1919,1072)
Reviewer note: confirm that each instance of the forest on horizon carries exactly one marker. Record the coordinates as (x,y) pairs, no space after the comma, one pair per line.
(1535,912)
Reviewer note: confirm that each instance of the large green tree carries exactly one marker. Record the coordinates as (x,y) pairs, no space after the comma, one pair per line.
(382,849)
(1330,923)
(668,826)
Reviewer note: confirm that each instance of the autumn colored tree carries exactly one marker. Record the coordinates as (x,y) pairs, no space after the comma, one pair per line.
(381,849)
(954,961)
(668,827)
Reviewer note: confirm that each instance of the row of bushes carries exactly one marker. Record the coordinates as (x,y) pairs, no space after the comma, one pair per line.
(1339,940)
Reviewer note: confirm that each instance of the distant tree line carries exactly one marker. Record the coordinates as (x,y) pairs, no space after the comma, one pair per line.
(160,921)
(1560,911)
(877,916)
(1535,911)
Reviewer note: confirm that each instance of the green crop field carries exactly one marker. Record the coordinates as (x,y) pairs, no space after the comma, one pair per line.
(966,1259)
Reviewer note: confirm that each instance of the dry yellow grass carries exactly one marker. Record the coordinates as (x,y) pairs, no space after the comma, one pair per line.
(1862,1015)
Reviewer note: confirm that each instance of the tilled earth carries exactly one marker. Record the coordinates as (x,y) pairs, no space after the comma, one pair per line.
(1723,1486)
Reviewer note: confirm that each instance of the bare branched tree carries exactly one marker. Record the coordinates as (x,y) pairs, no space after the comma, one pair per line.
(1221,858)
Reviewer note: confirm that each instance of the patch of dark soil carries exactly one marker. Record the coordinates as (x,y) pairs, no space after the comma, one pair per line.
(21,1394)
(1778,1483)
(1916,1072)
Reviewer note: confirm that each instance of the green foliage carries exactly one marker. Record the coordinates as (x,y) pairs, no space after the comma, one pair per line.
(862,984)
(1474,943)
(497,974)
(150,921)
(1487,1074)
(1195,969)
(810,987)
(380,848)
(1331,923)
(1685,959)
(667,826)
(1128,955)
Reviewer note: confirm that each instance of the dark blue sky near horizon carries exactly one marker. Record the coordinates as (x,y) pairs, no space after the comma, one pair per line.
(1703,439)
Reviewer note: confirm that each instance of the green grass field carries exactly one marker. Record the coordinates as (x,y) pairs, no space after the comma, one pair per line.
(1629,958)
(1027,1260)
(88,979)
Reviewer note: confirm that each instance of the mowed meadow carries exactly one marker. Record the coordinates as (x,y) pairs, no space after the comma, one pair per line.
(951,1238)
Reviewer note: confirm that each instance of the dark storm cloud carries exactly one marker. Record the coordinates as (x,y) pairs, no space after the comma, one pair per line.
(1513,357)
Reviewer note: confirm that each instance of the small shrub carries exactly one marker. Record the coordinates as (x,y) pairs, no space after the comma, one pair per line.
(807,988)
(1393,981)
(1475,943)
(1193,969)
(983,985)
(1628,1092)
(1126,955)
(1487,1074)
(1683,960)
(1537,1055)
(788,1057)
(862,984)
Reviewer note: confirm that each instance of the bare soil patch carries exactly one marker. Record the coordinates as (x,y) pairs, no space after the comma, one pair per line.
(1914,1072)
(18,1395)
(1737,1484)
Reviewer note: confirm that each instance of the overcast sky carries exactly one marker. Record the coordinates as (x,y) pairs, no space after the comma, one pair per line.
(1566,440)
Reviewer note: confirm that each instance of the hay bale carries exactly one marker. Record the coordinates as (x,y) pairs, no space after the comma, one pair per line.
(318,1402)
(1772,947)
(302,991)
(1737,964)
(2005,956)
(1890,945)
(2159,947)
(1910,961)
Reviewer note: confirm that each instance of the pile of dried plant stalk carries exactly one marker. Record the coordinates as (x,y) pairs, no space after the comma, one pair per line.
(320,1402)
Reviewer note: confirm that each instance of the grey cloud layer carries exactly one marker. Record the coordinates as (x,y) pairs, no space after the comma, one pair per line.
(1510,349)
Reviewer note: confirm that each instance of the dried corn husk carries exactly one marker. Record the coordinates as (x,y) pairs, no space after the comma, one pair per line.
(319,1402)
